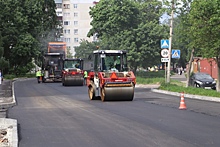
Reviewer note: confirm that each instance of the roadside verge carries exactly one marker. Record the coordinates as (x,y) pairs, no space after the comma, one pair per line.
(191,96)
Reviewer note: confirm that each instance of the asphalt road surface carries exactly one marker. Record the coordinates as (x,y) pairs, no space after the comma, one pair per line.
(50,115)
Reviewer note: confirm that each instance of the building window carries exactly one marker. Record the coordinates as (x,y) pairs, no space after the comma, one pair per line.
(66,23)
(68,47)
(75,23)
(66,39)
(76,40)
(66,6)
(59,13)
(75,14)
(75,6)
(66,14)
(58,5)
(75,31)
(67,31)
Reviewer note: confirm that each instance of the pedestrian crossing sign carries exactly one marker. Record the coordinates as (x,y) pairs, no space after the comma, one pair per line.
(164,43)
(175,53)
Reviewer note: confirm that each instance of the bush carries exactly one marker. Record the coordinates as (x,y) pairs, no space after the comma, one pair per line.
(147,80)
(9,76)
(12,76)
(189,90)
(151,74)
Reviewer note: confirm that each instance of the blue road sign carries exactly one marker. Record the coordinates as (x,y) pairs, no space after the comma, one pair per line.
(175,53)
(164,43)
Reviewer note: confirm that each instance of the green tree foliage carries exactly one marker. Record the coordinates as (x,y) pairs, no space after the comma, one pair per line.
(205,24)
(24,23)
(3,63)
(69,54)
(130,25)
(86,48)
(181,37)
(113,16)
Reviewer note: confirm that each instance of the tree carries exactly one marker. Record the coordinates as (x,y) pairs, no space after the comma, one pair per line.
(24,23)
(86,48)
(113,16)
(130,25)
(205,24)
(181,36)
(3,63)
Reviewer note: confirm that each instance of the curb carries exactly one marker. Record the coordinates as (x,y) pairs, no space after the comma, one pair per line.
(10,124)
(191,96)
(10,104)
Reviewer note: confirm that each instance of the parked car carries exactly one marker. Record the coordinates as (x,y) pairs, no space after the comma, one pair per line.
(202,80)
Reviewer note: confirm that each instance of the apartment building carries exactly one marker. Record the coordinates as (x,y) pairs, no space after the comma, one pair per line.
(75,18)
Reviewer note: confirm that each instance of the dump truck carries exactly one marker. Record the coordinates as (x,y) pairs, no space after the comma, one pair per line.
(72,74)
(52,67)
(57,47)
(111,80)
(53,61)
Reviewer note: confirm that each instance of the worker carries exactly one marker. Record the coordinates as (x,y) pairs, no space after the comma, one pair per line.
(77,65)
(117,62)
(85,77)
(38,76)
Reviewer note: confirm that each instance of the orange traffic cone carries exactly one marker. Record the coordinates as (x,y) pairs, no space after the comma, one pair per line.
(182,102)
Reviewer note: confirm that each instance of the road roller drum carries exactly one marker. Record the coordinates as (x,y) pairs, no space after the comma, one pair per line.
(73,81)
(72,74)
(117,93)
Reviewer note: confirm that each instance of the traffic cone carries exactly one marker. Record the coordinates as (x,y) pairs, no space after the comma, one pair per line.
(182,102)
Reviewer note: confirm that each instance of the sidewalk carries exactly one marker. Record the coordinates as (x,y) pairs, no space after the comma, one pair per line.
(8,127)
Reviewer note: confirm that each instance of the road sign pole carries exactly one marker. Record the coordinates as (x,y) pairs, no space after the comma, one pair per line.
(170,43)
(165,71)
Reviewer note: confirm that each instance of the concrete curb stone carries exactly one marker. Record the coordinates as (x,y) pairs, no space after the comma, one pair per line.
(191,96)
(10,125)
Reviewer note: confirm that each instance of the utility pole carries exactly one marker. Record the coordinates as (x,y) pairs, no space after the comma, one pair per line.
(170,43)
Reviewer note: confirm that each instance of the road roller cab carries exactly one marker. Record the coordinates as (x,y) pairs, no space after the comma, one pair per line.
(72,74)
(111,79)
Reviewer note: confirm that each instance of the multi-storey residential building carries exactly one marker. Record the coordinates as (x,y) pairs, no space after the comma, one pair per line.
(75,18)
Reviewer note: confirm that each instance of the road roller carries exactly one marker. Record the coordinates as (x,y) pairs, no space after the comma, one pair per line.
(111,80)
(72,74)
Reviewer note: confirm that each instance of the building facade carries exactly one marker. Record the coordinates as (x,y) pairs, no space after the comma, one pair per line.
(204,65)
(75,19)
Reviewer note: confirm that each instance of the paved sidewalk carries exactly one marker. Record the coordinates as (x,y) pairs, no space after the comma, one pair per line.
(8,127)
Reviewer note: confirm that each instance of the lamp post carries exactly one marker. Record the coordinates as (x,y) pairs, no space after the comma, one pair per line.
(170,43)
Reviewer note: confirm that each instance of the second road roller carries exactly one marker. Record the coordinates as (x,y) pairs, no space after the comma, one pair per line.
(111,80)
(72,74)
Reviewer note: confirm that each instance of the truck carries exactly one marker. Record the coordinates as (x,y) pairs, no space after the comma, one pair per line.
(111,79)
(53,61)
(57,47)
